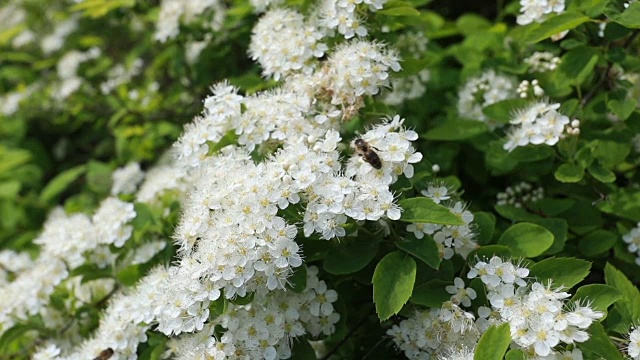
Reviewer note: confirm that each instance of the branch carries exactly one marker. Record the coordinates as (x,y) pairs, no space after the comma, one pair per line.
(346,337)
(605,76)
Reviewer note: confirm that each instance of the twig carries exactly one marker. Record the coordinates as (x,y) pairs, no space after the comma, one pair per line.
(346,337)
(374,347)
(605,76)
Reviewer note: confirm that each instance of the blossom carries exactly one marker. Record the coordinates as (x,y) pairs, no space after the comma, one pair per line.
(358,68)
(283,42)
(633,349)
(540,123)
(126,179)
(632,238)
(172,12)
(538,10)
(519,195)
(480,91)
(542,61)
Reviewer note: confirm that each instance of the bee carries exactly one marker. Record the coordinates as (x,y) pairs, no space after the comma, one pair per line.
(104,354)
(368,154)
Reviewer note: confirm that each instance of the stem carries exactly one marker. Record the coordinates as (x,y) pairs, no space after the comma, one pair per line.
(605,76)
(374,347)
(346,337)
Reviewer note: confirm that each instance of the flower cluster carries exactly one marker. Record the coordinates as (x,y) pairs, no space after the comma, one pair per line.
(520,195)
(12,262)
(172,12)
(126,179)
(538,10)
(435,333)
(451,239)
(539,316)
(542,61)
(343,16)
(484,90)
(633,349)
(66,243)
(125,322)
(356,69)
(54,41)
(633,239)
(540,123)
(67,71)
(119,75)
(528,88)
(282,43)
(414,86)
(265,329)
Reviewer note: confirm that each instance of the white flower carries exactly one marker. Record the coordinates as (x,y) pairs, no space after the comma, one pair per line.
(436,193)
(633,349)
(461,295)
(356,69)
(539,123)
(538,10)
(126,179)
(484,90)
(283,43)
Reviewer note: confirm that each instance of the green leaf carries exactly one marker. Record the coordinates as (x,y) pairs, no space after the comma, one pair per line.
(229,138)
(470,24)
(555,25)
(129,275)
(486,223)
(11,335)
(566,272)
(424,210)
(630,18)
(302,350)
(559,228)
(424,249)
(431,294)
(623,203)
(600,296)
(583,217)
(629,305)
(516,354)
(9,189)
(597,242)
(502,111)
(243,300)
(99,8)
(458,129)
(577,65)
(11,159)
(515,214)
(622,108)
(144,219)
(399,11)
(351,258)
(526,239)
(569,173)
(99,177)
(61,182)
(601,173)
(493,344)
(610,152)
(297,282)
(393,281)
(599,343)
(554,207)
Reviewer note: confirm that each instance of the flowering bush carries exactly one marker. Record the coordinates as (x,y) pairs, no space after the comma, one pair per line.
(275,179)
